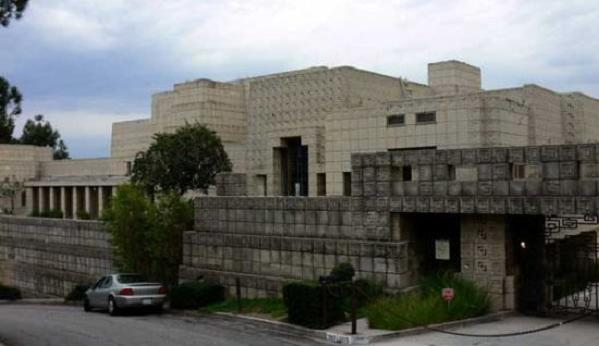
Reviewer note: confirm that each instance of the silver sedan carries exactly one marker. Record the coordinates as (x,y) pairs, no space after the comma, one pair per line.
(115,292)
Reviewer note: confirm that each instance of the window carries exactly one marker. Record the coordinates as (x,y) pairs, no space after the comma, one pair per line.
(346,184)
(128,168)
(451,172)
(426,117)
(406,173)
(396,120)
(23,199)
(321,181)
(518,171)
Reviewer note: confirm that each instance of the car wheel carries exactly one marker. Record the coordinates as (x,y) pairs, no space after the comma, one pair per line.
(113,309)
(86,306)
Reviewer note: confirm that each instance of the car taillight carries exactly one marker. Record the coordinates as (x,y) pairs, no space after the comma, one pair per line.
(126,292)
(163,290)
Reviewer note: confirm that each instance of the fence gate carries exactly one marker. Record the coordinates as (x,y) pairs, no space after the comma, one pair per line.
(572,269)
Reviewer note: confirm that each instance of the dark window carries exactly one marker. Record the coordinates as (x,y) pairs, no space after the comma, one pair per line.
(346,184)
(518,171)
(451,172)
(406,173)
(396,120)
(426,117)
(23,199)
(321,180)
(128,168)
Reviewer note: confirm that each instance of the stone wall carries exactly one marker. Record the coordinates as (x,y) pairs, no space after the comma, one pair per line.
(266,241)
(48,257)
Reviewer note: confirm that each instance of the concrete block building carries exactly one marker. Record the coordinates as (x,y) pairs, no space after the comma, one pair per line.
(293,133)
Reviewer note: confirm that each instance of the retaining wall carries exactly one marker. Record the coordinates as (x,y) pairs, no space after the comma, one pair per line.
(48,257)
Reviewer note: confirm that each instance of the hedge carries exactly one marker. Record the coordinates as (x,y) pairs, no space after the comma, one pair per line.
(9,293)
(194,294)
(304,301)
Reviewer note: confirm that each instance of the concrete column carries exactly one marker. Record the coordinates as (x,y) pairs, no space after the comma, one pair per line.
(40,196)
(63,201)
(100,200)
(74,201)
(51,198)
(29,203)
(88,200)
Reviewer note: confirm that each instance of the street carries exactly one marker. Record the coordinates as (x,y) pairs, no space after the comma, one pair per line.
(32,325)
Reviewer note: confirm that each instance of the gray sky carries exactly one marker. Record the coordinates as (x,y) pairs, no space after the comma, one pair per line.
(87,63)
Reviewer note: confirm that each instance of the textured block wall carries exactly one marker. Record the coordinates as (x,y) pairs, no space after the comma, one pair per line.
(48,257)
(266,241)
(556,180)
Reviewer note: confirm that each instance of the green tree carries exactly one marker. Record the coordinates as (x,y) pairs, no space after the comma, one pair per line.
(10,108)
(10,9)
(39,132)
(147,235)
(188,159)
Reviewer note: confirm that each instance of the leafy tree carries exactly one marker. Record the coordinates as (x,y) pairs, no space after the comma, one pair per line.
(147,235)
(185,160)
(10,108)
(11,9)
(39,132)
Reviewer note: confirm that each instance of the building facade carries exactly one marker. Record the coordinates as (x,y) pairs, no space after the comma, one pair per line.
(293,133)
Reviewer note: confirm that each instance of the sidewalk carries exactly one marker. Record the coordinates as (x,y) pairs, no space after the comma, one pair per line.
(579,333)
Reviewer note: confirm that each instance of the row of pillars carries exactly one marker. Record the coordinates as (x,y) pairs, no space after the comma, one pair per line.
(73,201)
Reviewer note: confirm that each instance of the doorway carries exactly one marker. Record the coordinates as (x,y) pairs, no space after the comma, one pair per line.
(294,167)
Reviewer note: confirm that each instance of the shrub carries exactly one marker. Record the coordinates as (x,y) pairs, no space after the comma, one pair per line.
(192,295)
(83,215)
(305,300)
(342,272)
(425,305)
(77,293)
(9,292)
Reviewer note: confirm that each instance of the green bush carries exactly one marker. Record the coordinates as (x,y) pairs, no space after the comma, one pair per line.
(9,292)
(83,215)
(304,302)
(342,272)
(425,305)
(77,293)
(193,295)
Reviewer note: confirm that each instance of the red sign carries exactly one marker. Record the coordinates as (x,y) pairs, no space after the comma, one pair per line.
(448,294)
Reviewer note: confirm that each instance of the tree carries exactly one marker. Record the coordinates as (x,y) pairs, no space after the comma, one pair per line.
(10,9)
(188,159)
(147,236)
(39,132)
(10,108)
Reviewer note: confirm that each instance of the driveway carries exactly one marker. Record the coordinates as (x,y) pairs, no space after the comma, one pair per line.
(579,333)
(68,326)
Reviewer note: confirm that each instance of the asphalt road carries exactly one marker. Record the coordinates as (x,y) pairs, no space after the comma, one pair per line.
(25,325)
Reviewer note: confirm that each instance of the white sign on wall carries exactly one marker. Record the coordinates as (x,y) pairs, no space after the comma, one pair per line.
(442,249)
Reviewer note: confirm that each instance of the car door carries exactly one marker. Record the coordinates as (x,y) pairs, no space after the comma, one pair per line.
(93,293)
(104,291)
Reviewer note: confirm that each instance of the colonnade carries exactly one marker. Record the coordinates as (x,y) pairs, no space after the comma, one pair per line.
(75,202)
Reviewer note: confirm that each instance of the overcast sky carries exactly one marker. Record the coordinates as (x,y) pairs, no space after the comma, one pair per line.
(87,63)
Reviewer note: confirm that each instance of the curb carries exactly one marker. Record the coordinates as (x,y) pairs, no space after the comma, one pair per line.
(341,338)
(316,335)
(39,301)
(496,316)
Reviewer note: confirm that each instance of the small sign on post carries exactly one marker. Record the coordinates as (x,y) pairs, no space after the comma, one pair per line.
(448,294)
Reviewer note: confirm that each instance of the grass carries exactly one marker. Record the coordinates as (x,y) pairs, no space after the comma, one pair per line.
(425,305)
(267,306)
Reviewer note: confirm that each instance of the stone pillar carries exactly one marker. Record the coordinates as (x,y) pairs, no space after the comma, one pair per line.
(40,196)
(30,203)
(63,201)
(51,198)
(88,199)
(483,254)
(75,199)
(100,200)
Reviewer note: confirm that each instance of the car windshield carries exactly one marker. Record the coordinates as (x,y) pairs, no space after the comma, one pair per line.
(131,278)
